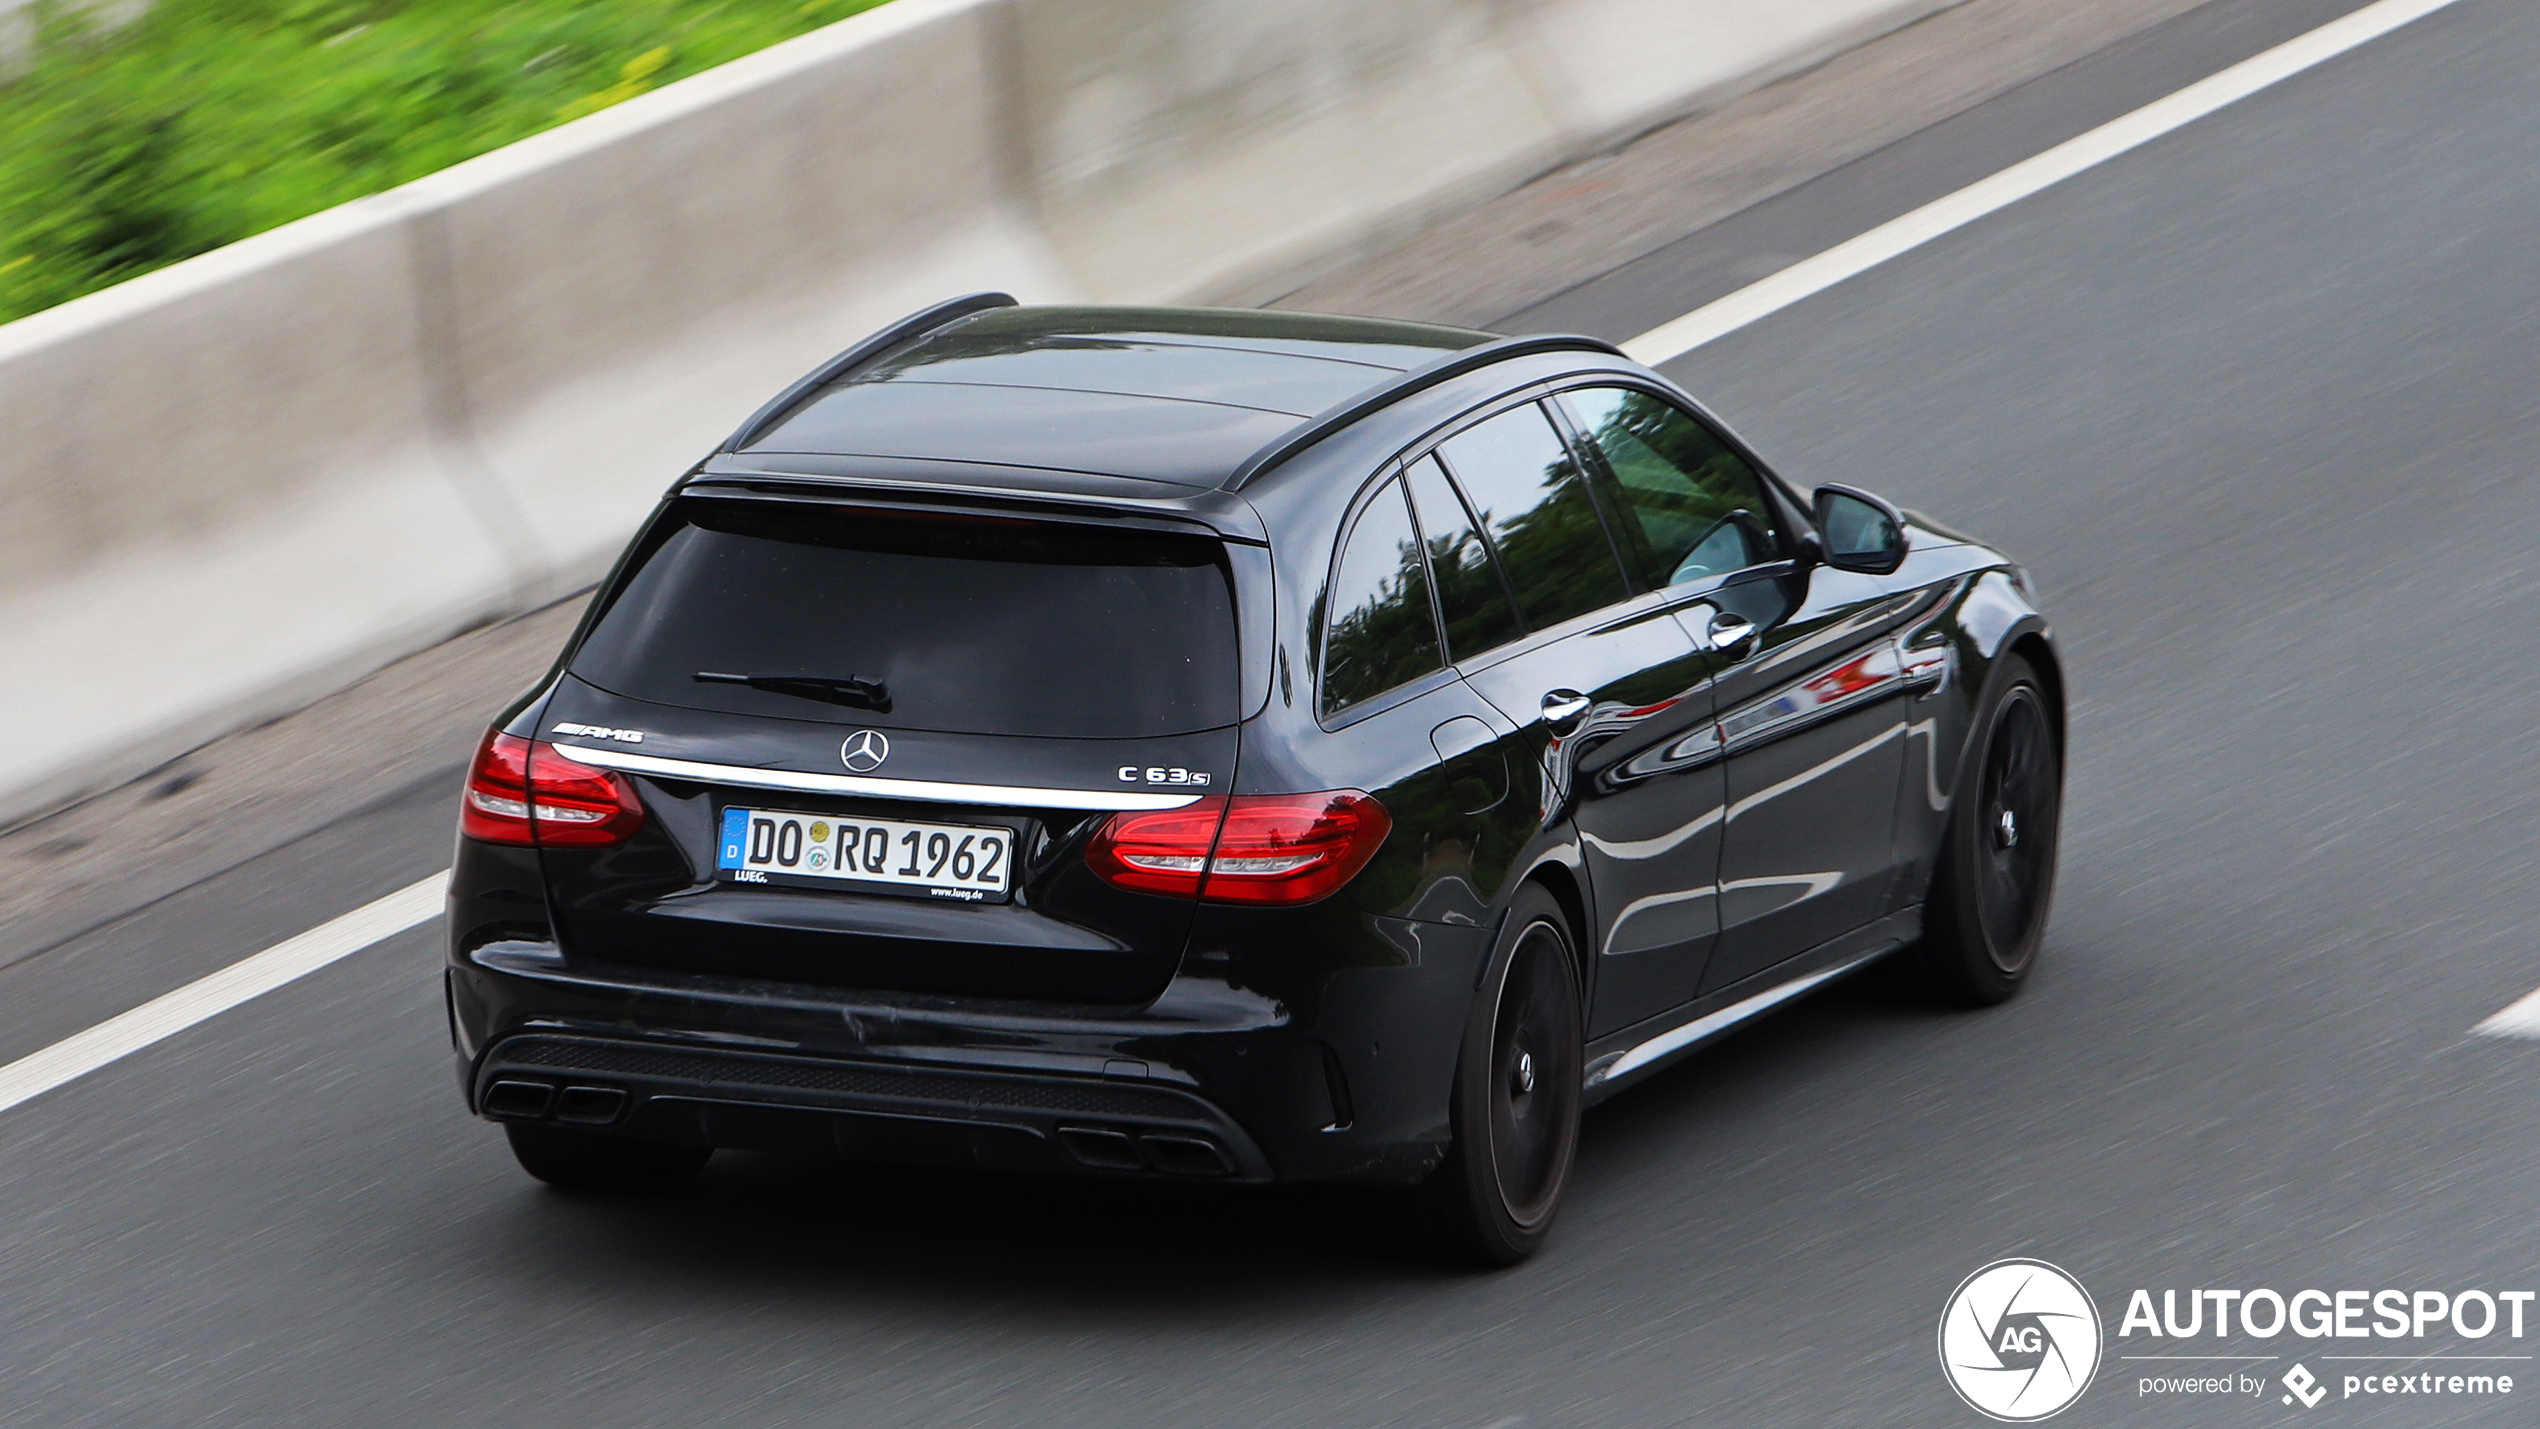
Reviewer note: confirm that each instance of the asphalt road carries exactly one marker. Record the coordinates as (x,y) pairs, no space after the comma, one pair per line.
(2256,403)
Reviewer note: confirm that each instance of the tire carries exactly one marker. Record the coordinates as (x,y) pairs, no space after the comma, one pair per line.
(1993,882)
(1516,1101)
(598,1164)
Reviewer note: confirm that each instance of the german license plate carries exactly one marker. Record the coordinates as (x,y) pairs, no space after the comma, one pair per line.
(965,862)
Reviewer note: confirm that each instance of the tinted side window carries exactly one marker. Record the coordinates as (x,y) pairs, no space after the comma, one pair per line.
(1694,509)
(1519,474)
(1471,598)
(1381,632)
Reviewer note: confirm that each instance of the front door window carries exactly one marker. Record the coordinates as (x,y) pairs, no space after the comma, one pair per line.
(1693,510)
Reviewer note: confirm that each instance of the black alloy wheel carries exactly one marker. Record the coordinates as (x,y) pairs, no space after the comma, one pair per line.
(1995,877)
(2017,845)
(1517,1099)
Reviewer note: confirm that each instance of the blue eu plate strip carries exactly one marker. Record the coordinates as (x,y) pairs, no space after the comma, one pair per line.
(736,833)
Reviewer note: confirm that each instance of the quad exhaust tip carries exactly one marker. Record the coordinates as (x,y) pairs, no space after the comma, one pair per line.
(1101,1148)
(1173,1153)
(518,1099)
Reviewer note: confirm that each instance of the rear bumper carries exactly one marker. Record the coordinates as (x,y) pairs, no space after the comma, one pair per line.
(1347,1080)
(710,1096)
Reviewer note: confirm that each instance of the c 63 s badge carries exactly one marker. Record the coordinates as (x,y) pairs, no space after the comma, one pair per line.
(1154,774)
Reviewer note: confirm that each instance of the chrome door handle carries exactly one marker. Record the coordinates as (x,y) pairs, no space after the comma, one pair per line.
(1729,631)
(1563,709)
(1925,666)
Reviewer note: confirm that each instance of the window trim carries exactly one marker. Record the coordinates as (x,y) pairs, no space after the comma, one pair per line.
(1786,529)
(1795,520)
(1401,481)
(1565,427)
(1490,553)
(1630,609)
(1794,517)
(1391,473)
(1654,383)
(1433,444)
(1399,695)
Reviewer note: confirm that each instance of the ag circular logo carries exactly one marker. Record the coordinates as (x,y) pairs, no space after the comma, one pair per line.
(2019,1340)
(865,750)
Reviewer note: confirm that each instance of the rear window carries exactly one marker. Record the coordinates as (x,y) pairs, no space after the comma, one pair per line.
(965,625)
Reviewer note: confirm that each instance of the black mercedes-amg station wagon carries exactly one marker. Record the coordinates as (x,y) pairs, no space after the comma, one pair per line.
(1231,745)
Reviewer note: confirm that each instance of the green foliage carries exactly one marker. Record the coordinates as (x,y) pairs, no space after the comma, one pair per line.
(209,120)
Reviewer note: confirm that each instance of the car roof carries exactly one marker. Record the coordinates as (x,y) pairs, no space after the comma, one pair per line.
(1181,396)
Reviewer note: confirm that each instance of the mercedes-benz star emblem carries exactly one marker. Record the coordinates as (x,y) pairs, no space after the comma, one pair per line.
(865,750)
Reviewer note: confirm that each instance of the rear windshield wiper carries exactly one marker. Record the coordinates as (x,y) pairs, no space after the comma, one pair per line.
(852,690)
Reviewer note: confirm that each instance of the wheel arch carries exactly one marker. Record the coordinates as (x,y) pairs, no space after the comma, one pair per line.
(1562,882)
(2028,639)
(1988,618)
(2033,646)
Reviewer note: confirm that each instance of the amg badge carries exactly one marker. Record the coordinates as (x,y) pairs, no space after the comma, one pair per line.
(601,731)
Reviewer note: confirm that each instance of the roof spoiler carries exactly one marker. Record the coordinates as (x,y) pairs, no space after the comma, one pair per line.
(1428,374)
(908,329)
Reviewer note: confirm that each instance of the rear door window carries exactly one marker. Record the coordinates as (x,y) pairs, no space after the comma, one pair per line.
(1692,509)
(1472,599)
(1381,632)
(965,624)
(1520,477)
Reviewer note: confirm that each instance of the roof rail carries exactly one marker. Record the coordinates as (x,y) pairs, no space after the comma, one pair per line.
(907,329)
(1418,379)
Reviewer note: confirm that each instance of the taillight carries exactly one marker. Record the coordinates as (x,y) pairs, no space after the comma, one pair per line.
(496,805)
(1253,848)
(577,806)
(1293,848)
(526,792)
(1161,852)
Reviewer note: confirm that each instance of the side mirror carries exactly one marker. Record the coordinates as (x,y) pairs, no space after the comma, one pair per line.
(1861,531)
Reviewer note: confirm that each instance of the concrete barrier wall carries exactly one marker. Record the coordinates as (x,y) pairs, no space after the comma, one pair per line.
(240,482)
(18,24)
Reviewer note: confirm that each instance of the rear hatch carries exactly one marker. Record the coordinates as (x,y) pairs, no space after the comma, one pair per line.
(871,745)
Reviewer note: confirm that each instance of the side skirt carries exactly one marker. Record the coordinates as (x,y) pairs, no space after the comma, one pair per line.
(1620,1059)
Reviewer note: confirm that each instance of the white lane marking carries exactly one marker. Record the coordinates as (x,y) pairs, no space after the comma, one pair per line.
(2520,1020)
(1902,235)
(164,1016)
